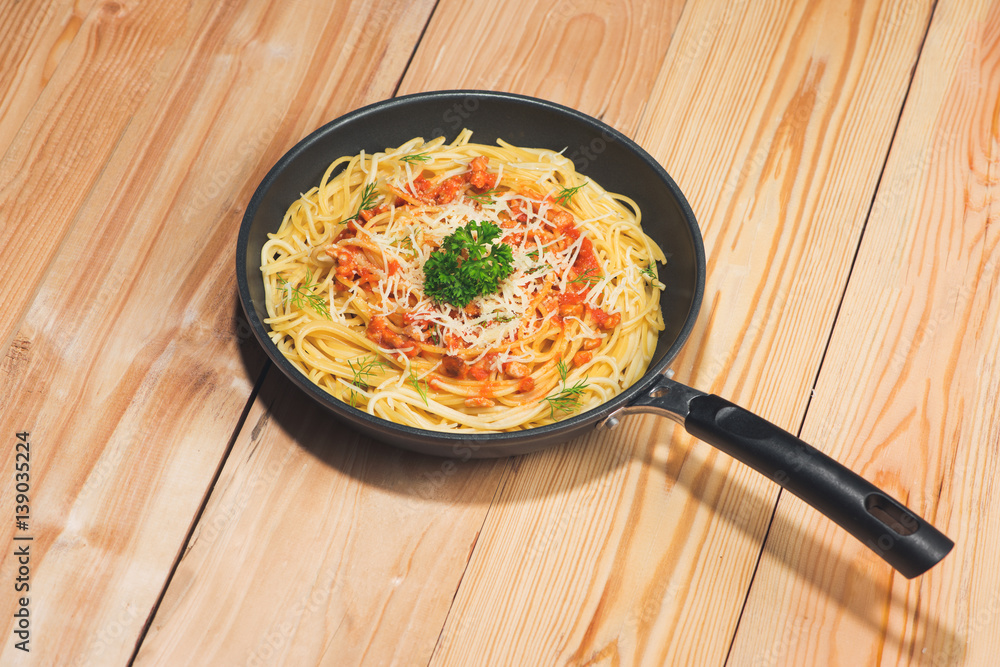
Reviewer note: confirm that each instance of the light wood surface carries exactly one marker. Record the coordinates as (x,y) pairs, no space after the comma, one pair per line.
(189,506)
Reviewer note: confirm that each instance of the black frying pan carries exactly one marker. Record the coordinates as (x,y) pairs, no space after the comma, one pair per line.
(903,539)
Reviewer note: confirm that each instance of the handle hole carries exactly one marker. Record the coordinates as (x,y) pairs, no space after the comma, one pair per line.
(891,514)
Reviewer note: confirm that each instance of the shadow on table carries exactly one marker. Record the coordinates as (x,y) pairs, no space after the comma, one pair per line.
(425,483)
(861,586)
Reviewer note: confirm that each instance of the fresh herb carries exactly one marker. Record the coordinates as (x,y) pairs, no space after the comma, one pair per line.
(416,157)
(303,295)
(482,197)
(591,277)
(368,197)
(419,385)
(566,194)
(568,398)
(651,276)
(471,262)
(364,370)
(405,243)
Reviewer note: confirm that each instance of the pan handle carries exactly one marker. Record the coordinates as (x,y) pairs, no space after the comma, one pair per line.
(904,540)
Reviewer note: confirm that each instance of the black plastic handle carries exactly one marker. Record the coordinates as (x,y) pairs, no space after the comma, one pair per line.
(904,540)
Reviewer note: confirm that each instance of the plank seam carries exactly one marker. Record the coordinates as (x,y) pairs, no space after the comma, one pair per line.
(240,424)
(416,47)
(497,493)
(836,318)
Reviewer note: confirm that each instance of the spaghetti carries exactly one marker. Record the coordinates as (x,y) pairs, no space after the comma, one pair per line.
(364,300)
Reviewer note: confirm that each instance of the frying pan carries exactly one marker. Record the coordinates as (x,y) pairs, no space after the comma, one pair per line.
(903,539)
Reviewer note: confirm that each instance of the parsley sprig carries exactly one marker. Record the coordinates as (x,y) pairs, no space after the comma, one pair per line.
(303,296)
(566,399)
(471,262)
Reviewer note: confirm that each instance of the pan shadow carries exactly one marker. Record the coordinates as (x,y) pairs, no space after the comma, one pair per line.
(424,483)
(862,587)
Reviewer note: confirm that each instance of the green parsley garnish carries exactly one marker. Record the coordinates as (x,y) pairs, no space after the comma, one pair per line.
(566,194)
(468,264)
(568,398)
(415,157)
(303,295)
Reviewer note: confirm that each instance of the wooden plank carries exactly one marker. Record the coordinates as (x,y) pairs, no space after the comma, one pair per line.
(66,119)
(34,37)
(768,117)
(130,368)
(586,54)
(348,545)
(357,556)
(909,389)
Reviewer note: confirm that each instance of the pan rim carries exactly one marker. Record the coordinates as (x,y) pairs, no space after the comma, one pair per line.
(401,432)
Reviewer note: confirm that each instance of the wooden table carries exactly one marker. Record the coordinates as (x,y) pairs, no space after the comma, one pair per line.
(187,506)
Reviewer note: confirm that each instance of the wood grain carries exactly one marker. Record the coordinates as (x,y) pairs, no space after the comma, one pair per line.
(34,38)
(392,533)
(854,262)
(909,389)
(765,115)
(353,548)
(82,133)
(598,56)
(135,324)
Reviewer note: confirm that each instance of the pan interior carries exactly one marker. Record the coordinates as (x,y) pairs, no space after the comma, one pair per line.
(598,151)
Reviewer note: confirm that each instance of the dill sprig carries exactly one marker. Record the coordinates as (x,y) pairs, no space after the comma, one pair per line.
(364,370)
(415,157)
(565,195)
(650,275)
(482,197)
(567,399)
(303,296)
(591,277)
(419,385)
(368,197)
